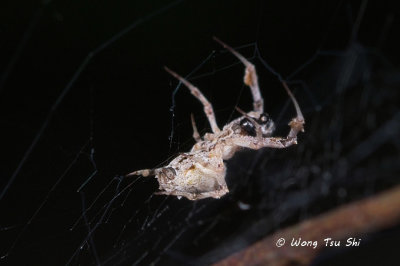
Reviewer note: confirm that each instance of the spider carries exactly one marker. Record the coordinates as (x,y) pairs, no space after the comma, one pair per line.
(200,173)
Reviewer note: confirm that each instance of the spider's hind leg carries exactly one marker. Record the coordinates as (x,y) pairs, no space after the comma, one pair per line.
(143,172)
(196,134)
(179,194)
(195,196)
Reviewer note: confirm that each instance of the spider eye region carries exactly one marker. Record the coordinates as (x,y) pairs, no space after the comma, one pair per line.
(267,125)
(248,127)
(264,119)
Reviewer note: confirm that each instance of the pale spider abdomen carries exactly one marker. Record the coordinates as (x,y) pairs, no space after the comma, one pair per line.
(196,174)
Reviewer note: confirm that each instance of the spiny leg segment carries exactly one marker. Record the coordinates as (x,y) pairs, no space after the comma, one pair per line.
(144,172)
(297,123)
(208,109)
(196,134)
(250,77)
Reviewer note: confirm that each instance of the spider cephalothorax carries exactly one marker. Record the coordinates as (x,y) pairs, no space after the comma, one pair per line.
(262,122)
(200,173)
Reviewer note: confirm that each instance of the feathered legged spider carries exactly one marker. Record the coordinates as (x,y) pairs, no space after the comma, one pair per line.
(200,173)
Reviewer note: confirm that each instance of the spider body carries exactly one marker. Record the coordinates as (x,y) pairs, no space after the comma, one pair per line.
(200,173)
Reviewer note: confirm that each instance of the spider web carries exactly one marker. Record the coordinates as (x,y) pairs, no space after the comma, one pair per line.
(85,100)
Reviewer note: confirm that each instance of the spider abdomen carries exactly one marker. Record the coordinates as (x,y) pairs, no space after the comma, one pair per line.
(194,174)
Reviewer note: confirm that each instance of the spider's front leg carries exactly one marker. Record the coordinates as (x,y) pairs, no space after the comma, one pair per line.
(258,143)
(208,109)
(297,123)
(250,78)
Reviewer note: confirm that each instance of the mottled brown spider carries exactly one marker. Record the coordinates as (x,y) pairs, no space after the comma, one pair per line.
(200,173)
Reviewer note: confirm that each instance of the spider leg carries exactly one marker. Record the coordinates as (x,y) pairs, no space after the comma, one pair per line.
(250,78)
(258,143)
(195,196)
(188,195)
(143,172)
(196,134)
(297,123)
(208,109)
(213,194)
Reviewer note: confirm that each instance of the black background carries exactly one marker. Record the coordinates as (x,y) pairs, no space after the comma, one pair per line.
(118,108)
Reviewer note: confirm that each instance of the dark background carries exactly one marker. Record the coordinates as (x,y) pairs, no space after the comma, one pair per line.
(97,104)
